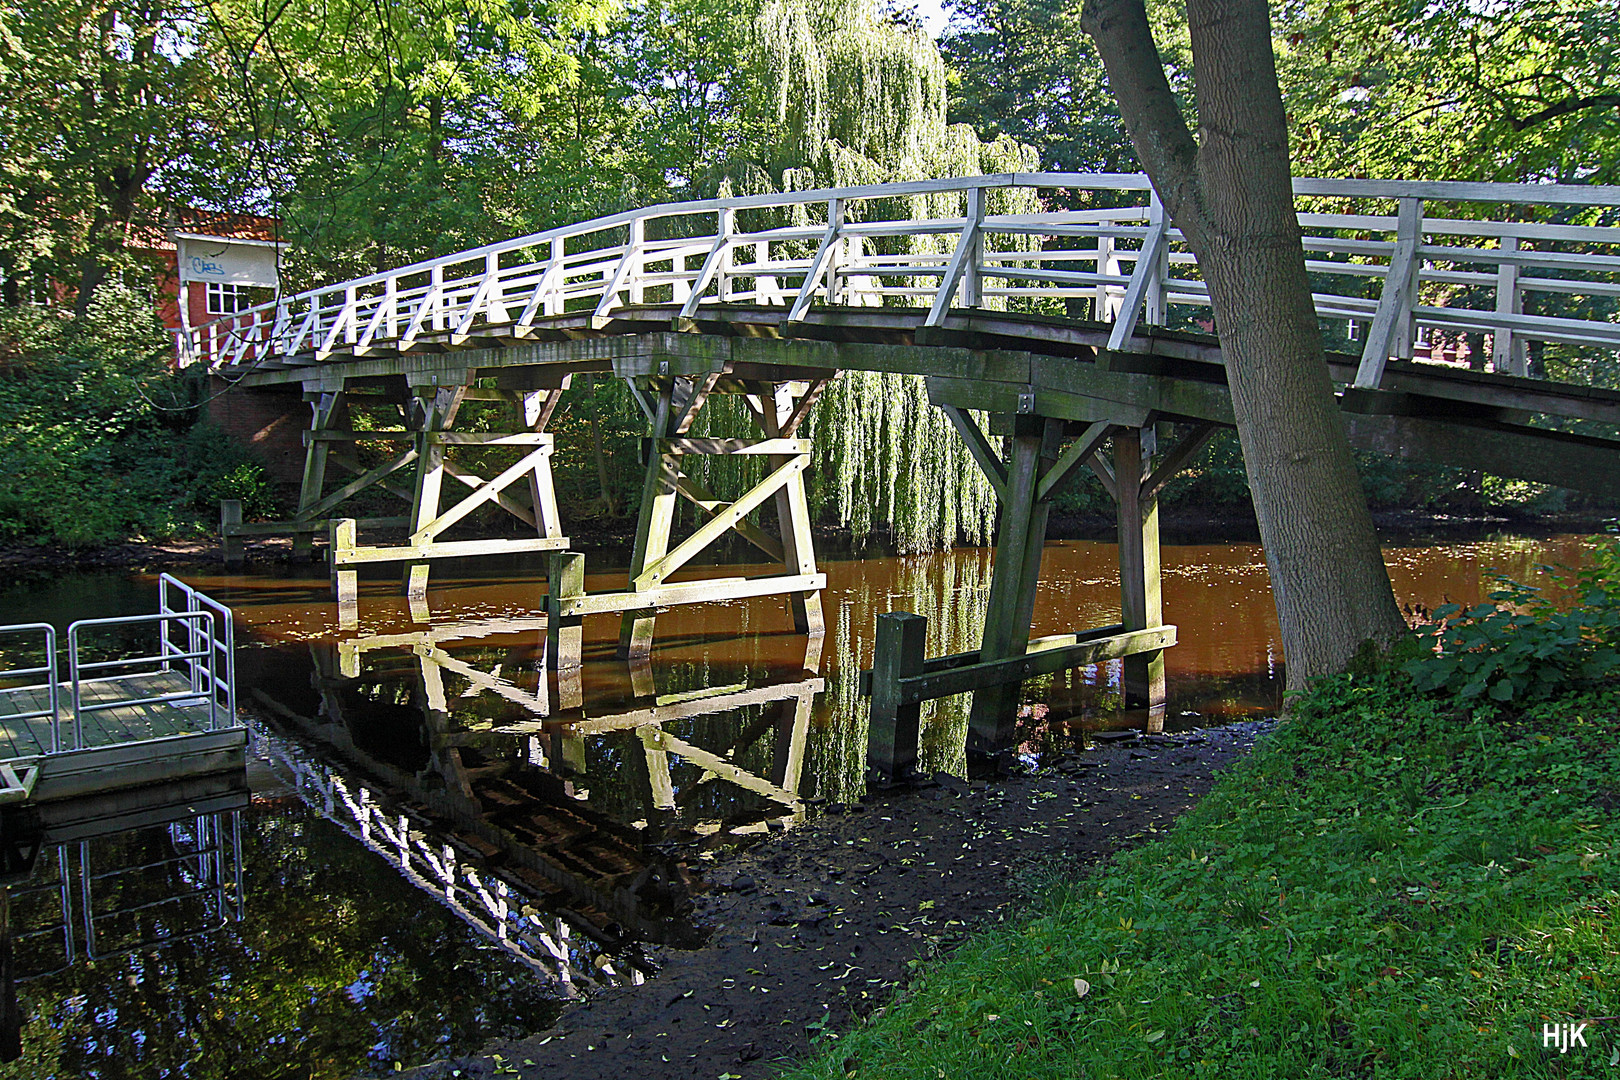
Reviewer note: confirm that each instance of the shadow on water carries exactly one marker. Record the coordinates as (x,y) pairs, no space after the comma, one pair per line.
(430,808)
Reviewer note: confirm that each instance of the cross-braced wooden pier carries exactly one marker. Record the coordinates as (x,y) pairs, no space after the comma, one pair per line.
(1081,334)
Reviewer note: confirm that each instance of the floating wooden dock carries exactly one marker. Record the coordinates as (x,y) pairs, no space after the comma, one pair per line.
(123,721)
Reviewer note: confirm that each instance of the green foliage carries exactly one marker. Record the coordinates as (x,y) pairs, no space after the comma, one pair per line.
(88,457)
(1024,69)
(1452,89)
(1390,886)
(1520,646)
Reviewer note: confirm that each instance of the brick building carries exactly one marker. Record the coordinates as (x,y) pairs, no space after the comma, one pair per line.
(210,264)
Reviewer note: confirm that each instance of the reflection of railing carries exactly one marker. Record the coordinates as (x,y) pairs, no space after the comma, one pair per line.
(202,871)
(496,908)
(61,927)
(207,871)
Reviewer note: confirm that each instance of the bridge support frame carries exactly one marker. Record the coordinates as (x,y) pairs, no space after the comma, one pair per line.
(1038,465)
(672,404)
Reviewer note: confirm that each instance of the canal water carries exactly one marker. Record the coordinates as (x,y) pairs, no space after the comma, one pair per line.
(439,843)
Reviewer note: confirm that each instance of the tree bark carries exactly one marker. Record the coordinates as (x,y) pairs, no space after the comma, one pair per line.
(1230,192)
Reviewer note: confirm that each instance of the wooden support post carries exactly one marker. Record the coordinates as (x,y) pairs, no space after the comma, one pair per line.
(1508,353)
(654,520)
(892,732)
(327,411)
(435,410)
(565,634)
(793,517)
(1141,603)
(1020,537)
(345,583)
(230,516)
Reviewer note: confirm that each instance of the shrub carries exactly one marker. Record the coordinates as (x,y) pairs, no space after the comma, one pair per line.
(101,442)
(1519,646)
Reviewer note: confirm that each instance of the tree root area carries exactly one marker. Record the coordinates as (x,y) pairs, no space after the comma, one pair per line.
(814,928)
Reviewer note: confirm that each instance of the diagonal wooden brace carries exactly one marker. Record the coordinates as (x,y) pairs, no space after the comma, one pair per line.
(725,519)
(694,491)
(480,495)
(355,486)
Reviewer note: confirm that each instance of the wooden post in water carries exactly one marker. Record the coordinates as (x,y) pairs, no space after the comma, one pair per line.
(345,582)
(565,632)
(1020,536)
(891,739)
(328,410)
(230,516)
(1140,599)
(435,409)
(793,514)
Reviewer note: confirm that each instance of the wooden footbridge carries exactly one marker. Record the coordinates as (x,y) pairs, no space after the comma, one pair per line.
(1083,335)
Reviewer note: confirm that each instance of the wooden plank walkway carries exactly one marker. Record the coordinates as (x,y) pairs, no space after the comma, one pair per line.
(23,737)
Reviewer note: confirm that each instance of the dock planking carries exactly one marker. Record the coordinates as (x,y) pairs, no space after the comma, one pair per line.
(24,736)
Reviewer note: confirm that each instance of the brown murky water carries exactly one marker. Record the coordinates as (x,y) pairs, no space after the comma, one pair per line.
(430,808)
(1228,660)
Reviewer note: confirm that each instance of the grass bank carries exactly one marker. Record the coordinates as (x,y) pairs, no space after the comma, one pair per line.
(1393,885)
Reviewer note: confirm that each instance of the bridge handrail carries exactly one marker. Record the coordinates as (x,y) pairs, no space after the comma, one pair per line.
(450,293)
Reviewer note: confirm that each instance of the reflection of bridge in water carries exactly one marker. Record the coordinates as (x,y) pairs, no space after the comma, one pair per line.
(1076,330)
(560,831)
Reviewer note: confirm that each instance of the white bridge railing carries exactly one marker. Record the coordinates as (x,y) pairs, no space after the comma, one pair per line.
(1391,278)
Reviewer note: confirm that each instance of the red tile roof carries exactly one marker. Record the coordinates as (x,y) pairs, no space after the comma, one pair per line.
(150,236)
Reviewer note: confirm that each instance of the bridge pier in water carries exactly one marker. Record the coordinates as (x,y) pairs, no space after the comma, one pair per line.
(1038,465)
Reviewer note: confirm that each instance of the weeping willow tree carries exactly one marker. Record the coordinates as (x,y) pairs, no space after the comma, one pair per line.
(843,96)
(950,590)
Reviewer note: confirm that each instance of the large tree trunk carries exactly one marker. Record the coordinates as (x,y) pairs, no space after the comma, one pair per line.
(1231,195)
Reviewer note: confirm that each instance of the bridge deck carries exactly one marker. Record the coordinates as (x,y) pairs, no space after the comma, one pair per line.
(1000,362)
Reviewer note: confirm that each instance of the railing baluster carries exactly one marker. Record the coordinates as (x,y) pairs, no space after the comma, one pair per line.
(821,265)
(1507,350)
(1145,289)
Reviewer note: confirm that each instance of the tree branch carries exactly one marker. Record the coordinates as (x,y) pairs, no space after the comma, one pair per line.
(1564,108)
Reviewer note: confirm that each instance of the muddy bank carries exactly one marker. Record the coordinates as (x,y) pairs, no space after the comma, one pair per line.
(812,928)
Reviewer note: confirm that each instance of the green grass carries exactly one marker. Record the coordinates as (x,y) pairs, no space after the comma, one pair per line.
(1390,886)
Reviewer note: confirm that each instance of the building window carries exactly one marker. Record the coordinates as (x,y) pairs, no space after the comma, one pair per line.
(227,299)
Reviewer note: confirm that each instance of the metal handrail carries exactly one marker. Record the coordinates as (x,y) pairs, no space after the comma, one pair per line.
(162,619)
(224,643)
(53,689)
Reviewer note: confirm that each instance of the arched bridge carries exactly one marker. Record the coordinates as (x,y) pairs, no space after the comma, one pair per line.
(1083,333)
